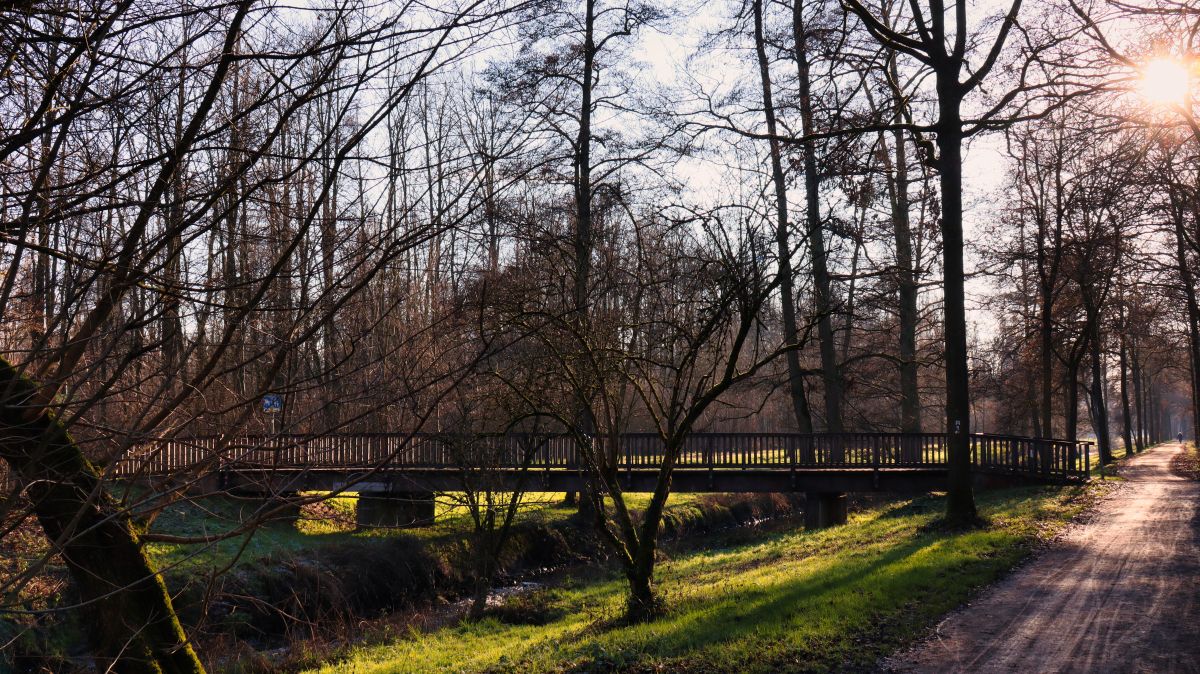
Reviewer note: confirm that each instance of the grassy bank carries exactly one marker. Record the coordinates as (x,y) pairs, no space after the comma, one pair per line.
(331,522)
(794,601)
(321,597)
(318,578)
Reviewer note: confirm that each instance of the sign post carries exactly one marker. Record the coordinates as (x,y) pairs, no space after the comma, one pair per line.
(272,404)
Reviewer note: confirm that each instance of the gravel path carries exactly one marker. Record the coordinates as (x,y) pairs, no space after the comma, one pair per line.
(1120,593)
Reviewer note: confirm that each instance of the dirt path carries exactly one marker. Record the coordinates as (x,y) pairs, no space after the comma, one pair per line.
(1120,593)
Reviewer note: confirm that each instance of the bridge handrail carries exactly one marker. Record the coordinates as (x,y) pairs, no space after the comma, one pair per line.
(990,452)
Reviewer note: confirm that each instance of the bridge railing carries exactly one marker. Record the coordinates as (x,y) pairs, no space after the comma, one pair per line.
(989,452)
(1046,458)
(1050,458)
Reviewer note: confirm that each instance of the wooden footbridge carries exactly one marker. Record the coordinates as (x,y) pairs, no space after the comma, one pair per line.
(708,462)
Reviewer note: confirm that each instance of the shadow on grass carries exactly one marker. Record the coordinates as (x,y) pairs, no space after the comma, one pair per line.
(854,612)
(788,602)
(766,611)
(945,527)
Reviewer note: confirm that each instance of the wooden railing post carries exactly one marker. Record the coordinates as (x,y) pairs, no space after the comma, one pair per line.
(875,461)
(628,456)
(222,478)
(791,445)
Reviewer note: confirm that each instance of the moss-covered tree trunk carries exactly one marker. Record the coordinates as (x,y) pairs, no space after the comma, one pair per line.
(131,623)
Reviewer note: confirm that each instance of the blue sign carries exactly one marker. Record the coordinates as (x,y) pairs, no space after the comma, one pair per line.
(272,402)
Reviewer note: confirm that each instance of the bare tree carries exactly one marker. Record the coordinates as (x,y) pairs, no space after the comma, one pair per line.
(239,78)
(943,46)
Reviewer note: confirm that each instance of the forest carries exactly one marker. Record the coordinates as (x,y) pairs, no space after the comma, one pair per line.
(231,228)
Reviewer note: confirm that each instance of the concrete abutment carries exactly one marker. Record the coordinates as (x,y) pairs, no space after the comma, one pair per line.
(824,509)
(395,509)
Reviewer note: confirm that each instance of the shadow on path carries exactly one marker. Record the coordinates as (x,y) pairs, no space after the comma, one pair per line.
(1117,594)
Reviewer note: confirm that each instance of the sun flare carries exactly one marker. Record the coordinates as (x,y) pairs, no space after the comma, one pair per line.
(1164,81)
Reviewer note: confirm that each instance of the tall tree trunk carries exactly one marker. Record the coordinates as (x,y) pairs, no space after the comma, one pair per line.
(1099,404)
(131,622)
(1193,365)
(43,291)
(172,337)
(1154,417)
(328,135)
(583,236)
(852,287)
(1071,414)
(960,500)
(1164,417)
(910,399)
(583,173)
(1126,420)
(787,296)
(232,279)
(491,213)
(43,287)
(1139,397)
(1046,362)
(1188,281)
(830,377)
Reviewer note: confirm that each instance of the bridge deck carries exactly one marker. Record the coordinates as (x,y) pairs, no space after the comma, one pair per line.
(763,462)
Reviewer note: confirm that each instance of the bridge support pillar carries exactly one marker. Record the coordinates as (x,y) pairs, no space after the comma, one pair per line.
(824,509)
(395,509)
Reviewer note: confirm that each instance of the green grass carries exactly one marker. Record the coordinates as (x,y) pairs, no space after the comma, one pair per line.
(329,523)
(218,515)
(794,601)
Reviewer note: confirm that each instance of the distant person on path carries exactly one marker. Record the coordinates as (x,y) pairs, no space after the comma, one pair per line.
(1179,437)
